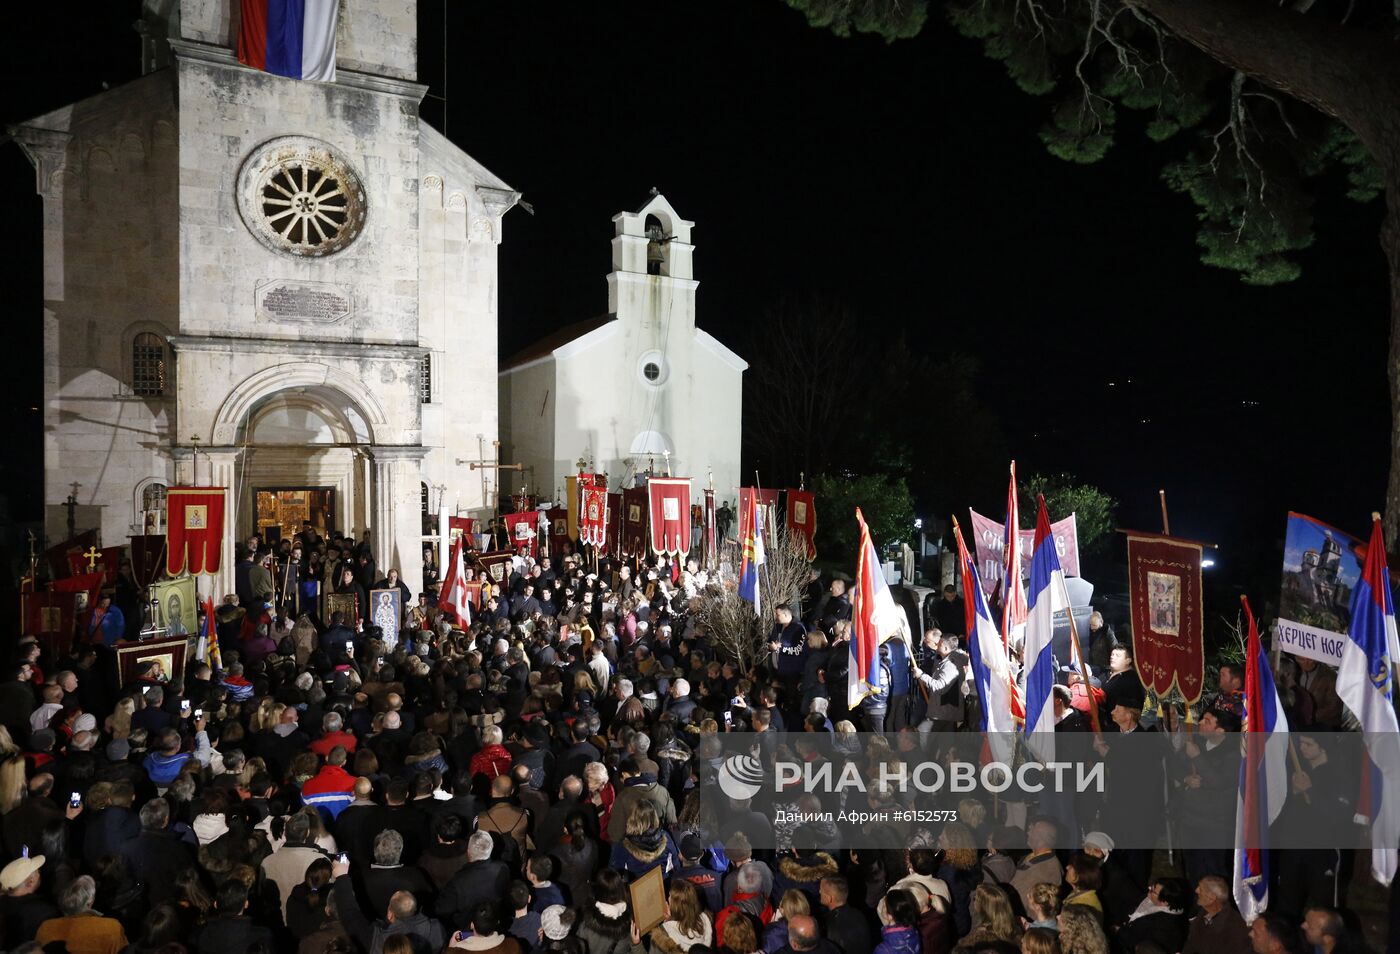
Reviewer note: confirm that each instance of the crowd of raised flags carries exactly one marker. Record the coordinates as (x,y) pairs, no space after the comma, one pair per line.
(1011,706)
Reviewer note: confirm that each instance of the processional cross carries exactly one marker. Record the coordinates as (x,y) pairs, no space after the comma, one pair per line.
(72,504)
(485,464)
(93,555)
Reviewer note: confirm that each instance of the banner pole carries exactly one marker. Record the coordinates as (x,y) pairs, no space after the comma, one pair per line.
(1166,527)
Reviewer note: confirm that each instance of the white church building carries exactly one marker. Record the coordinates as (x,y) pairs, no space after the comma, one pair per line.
(624,390)
(262,283)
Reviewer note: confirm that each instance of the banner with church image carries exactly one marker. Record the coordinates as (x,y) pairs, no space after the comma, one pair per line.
(1321,565)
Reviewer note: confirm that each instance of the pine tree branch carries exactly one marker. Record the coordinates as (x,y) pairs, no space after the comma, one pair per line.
(1350,74)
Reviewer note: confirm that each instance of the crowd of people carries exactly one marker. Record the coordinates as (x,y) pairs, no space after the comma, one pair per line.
(497,786)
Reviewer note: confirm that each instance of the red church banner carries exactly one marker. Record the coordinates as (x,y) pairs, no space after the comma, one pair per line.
(108,561)
(57,556)
(802,519)
(456,526)
(767,499)
(522,530)
(195,529)
(669,500)
(634,521)
(50,618)
(614,519)
(593,522)
(558,530)
(1164,593)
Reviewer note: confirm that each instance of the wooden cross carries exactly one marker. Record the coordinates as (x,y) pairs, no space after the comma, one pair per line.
(72,504)
(93,555)
(495,464)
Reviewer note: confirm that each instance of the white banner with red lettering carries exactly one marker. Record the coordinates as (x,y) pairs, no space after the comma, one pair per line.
(990,538)
(669,499)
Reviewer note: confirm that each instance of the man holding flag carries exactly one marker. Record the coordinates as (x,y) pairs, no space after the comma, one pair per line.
(1364,682)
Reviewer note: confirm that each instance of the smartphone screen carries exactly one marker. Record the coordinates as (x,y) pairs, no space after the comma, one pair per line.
(75,799)
(342,858)
(185,706)
(198,714)
(349,645)
(728,717)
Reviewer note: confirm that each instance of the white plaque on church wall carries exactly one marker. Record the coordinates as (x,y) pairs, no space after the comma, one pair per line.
(282,299)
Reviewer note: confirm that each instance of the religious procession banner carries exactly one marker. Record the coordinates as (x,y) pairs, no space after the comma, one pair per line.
(614,519)
(195,529)
(1164,595)
(802,519)
(593,518)
(495,567)
(520,527)
(634,521)
(456,526)
(558,530)
(669,509)
(178,611)
(767,499)
(990,540)
(147,557)
(1321,566)
(57,556)
(106,561)
(85,589)
(50,618)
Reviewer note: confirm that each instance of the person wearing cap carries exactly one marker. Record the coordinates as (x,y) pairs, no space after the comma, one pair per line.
(22,907)
(701,877)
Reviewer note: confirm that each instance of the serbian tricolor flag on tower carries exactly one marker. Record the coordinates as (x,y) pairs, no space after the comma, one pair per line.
(1263,777)
(1046,596)
(874,619)
(752,544)
(1364,684)
(294,38)
(456,599)
(990,670)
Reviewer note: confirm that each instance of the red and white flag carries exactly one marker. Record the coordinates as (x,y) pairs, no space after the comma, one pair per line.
(455,598)
(669,498)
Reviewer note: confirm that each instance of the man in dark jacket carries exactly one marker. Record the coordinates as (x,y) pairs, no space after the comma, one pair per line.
(334,639)
(846,927)
(1208,771)
(17,702)
(25,823)
(480,879)
(804,938)
(157,856)
(232,931)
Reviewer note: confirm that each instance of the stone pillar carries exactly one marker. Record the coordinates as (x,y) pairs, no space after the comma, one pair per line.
(397,534)
(223,472)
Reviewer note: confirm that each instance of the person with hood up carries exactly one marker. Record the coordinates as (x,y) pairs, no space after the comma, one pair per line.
(803,868)
(644,844)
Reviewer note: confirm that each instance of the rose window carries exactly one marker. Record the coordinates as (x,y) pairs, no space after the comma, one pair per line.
(298,196)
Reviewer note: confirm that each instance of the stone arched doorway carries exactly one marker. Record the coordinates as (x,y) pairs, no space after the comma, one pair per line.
(295,430)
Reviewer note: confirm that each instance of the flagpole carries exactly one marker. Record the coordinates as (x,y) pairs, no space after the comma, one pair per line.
(1079,654)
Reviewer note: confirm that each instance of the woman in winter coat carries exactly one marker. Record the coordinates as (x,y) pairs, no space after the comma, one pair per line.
(646,844)
(492,759)
(960,871)
(994,917)
(899,916)
(877,704)
(607,926)
(686,925)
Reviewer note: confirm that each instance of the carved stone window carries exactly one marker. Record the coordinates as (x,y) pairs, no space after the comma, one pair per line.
(148,359)
(299,196)
(425,380)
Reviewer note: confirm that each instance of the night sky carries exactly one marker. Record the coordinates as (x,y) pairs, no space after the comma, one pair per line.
(906,181)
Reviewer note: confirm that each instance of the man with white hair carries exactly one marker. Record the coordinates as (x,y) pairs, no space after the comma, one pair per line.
(1218,929)
(480,879)
(678,701)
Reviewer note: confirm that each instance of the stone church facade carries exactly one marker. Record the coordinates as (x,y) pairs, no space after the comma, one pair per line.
(266,284)
(635,384)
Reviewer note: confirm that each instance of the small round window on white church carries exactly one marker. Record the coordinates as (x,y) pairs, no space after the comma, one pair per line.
(297,195)
(653,368)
